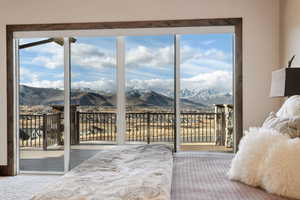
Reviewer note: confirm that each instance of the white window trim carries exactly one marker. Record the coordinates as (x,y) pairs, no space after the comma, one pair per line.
(67,90)
(121,113)
(16,107)
(177,90)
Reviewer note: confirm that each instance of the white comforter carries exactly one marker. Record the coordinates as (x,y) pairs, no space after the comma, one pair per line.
(123,173)
(269,160)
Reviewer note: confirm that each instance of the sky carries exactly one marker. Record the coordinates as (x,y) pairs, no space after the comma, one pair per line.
(206,63)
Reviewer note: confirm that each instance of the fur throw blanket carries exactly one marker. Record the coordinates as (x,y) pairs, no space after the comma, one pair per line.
(269,160)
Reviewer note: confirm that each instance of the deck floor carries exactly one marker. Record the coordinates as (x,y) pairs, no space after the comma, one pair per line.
(205,148)
(53,159)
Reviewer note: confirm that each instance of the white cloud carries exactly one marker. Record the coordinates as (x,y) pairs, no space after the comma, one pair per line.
(85,55)
(208,42)
(221,80)
(51,62)
(198,61)
(152,57)
(49,55)
(201,68)
(26,74)
(151,84)
(90,56)
(45,84)
(33,79)
(101,85)
(188,53)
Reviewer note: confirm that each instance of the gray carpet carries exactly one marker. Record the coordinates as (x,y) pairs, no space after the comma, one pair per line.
(23,187)
(202,176)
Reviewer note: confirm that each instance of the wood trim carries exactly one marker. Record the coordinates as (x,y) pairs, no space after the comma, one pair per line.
(238,85)
(126,24)
(9,169)
(10,29)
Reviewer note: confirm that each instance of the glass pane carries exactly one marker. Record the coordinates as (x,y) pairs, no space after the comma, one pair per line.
(41,106)
(206,95)
(93,96)
(149,76)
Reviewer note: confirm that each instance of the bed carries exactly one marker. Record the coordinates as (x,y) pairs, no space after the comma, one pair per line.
(122,173)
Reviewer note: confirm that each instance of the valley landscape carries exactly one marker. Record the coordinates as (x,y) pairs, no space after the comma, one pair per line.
(39,100)
(149,115)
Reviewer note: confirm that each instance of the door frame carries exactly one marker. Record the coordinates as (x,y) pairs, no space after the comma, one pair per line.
(10,168)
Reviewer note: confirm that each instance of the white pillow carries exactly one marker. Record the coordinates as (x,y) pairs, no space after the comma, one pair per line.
(290,108)
(286,126)
(268,160)
(294,122)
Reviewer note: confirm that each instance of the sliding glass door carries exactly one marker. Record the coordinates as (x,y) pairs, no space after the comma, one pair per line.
(80,95)
(206,95)
(93,96)
(149,72)
(41,105)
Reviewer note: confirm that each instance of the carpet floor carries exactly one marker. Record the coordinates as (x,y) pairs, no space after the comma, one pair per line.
(196,176)
(23,187)
(202,176)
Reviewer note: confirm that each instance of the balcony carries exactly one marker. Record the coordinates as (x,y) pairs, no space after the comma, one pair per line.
(210,131)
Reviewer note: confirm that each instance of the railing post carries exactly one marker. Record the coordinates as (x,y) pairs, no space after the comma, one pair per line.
(148,128)
(45,142)
(61,125)
(77,127)
(216,125)
(73,125)
(229,127)
(223,130)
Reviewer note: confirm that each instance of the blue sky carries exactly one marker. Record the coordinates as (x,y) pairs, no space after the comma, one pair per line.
(206,62)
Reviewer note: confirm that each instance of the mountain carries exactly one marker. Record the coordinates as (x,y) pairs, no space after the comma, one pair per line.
(207,96)
(50,96)
(141,98)
(147,98)
(89,99)
(40,96)
(152,98)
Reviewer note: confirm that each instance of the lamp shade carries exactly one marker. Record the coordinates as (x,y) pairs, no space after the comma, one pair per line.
(285,82)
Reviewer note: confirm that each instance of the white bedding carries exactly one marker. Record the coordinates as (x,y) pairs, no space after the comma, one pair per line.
(123,173)
(269,160)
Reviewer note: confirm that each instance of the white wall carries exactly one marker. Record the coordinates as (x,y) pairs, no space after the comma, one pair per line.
(261,35)
(290,31)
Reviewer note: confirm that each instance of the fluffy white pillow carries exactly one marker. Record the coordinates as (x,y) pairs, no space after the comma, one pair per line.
(281,174)
(289,126)
(290,108)
(269,160)
(247,165)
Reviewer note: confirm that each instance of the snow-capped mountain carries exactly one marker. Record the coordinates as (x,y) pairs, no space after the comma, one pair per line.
(207,96)
(145,97)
